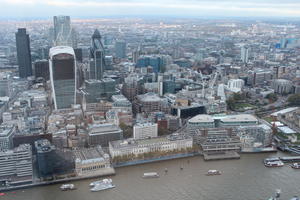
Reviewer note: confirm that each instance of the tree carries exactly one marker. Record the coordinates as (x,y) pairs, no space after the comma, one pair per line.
(294,100)
(163,131)
(127,130)
(272,97)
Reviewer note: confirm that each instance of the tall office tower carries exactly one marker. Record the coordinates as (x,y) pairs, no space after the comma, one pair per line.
(97,62)
(23,53)
(62,67)
(120,49)
(41,69)
(64,35)
(160,79)
(245,54)
(5,85)
(155,61)
(135,55)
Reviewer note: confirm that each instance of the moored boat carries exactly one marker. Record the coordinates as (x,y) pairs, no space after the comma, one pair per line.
(213,172)
(274,164)
(102,185)
(151,175)
(66,187)
(92,184)
(295,165)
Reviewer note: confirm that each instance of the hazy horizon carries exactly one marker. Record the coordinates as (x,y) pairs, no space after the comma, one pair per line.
(18,9)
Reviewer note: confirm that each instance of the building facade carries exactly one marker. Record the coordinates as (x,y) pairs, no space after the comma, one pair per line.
(7,133)
(23,53)
(62,66)
(41,69)
(16,164)
(137,147)
(97,57)
(102,134)
(145,130)
(92,162)
(120,49)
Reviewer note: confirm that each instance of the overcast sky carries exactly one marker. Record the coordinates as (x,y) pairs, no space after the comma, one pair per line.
(180,8)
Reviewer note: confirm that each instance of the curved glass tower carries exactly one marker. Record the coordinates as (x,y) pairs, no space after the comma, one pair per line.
(62,66)
(97,62)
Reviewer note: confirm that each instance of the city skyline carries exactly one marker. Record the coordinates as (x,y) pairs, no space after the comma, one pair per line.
(149,89)
(178,8)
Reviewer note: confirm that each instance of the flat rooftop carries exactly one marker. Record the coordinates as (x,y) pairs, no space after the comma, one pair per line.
(202,119)
(90,155)
(275,114)
(239,118)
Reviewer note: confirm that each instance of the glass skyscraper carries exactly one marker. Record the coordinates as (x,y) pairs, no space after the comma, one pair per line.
(62,66)
(120,49)
(23,53)
(64,35)
(97,58)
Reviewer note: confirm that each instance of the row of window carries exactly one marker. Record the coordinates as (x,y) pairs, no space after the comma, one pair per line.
(93,168)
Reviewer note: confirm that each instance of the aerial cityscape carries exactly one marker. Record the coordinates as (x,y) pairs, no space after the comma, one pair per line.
(149,107)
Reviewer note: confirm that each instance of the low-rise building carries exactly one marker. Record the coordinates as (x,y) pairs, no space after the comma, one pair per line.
(217,142)
(6,136)
(137,147)
(16,165)
(92,162)
(102,134)
(200,121)
(145,130)
(46,157)
(238,120)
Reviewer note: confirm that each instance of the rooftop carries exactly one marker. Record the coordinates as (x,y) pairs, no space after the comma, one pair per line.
(239,118)
(6,130)
(88,155)
(96,129)
(131,142)
(149,97)
(202,119)
(61,49)
(275,114)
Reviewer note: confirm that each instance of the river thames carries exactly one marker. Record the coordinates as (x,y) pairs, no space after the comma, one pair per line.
(243,179)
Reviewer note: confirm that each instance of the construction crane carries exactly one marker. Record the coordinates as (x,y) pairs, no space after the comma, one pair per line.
(212,83)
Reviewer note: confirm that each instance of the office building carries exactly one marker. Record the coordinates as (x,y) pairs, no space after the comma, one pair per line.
(64,35)
(129,147)
(5,85)
(7,133)
(145,130)
(63,76)
(235,85)
(259,77)
(41,69)
(255,136)
(169,87)
(96,90)
(92,162)
(147,103)
(135,55)
(120,49)
(154,61)
(282,86)
(121,102)
(218,143)
(245,54)
(46,157)
(200,121)
(97,57)
(102,134)
(16,165)
(23,53)
(236,120)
